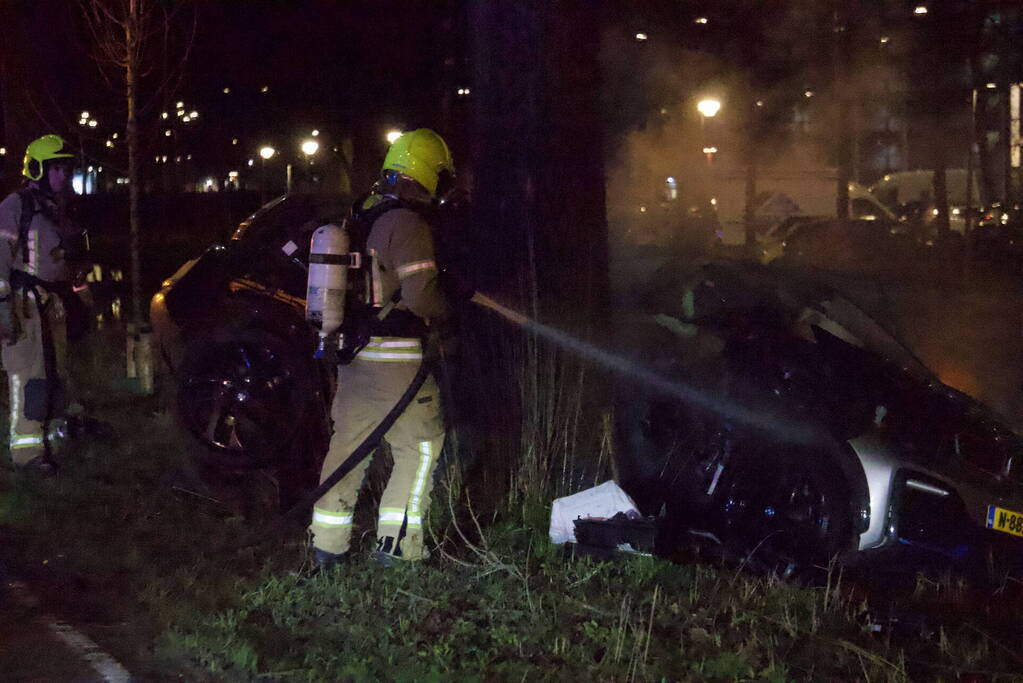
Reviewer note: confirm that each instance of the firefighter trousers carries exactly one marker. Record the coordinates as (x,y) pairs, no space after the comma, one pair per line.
(367,390)
(35,365)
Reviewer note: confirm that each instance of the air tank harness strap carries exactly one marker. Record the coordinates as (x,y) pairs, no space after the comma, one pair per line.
(25,283)
(28,211)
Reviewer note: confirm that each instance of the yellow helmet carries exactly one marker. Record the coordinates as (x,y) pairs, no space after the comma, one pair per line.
(43,149)
(422,155)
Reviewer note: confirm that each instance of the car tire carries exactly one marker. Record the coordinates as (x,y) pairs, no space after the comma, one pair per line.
(781,510)
(248,397)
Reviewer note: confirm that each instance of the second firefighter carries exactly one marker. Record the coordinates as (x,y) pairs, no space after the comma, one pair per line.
(417,171)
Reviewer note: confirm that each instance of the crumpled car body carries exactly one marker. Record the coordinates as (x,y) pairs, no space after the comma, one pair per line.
(802,430)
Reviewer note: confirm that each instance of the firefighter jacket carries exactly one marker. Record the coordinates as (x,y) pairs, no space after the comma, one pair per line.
(42,251)
(401,244)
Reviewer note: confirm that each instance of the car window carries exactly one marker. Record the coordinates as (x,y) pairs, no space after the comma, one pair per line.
(274,242)
(279,218)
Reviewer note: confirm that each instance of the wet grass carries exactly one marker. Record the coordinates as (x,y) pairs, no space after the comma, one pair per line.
(159,568)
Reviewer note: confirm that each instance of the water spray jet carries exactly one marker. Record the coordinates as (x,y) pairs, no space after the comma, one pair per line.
(789,430)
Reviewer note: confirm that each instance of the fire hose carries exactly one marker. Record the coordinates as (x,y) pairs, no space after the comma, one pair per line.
(362,451)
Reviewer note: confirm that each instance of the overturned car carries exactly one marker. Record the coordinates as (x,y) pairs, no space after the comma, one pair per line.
(230,327)
(787,427)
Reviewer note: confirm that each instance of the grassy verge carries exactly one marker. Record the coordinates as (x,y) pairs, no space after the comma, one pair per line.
(150,563)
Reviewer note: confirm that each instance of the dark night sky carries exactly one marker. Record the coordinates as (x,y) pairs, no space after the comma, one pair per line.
(353,67)
(346,68)
(322,53)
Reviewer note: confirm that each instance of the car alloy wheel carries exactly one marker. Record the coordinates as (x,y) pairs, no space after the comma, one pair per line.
(781,512)
(243,396)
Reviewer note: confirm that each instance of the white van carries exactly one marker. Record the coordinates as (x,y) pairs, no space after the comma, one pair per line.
(782,195)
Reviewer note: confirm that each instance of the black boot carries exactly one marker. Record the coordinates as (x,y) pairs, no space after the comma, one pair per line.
(39,466)
(323,560)
(388,551)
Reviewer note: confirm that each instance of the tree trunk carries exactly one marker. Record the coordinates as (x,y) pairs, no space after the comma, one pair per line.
(506,57)
(748,217)
(843,105)
(134,170)
(970,199)
(941,224)
(751,149)
(985,160)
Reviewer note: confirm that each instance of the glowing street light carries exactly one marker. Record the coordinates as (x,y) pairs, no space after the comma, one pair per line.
(266,153)
(392,136)
(316,132)
(920,9)
(708,107)
(310,147)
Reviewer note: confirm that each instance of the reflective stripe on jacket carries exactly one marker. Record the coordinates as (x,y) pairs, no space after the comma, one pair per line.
(392,350)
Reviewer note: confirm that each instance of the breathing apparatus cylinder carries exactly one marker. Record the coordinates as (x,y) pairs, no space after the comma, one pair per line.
(329,261)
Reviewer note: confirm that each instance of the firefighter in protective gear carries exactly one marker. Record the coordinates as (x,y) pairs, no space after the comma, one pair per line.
(417,171)
(36,245)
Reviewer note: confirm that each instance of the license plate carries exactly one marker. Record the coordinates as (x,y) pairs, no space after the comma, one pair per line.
(1008,521)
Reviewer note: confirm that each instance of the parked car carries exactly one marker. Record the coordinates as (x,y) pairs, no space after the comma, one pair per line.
(830,243)
(786,426)
(910,194)
(229,325)
(998,237)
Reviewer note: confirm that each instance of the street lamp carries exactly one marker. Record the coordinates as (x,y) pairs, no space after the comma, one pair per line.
(392,135)
(708,108)
(309,148)
(266,153)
